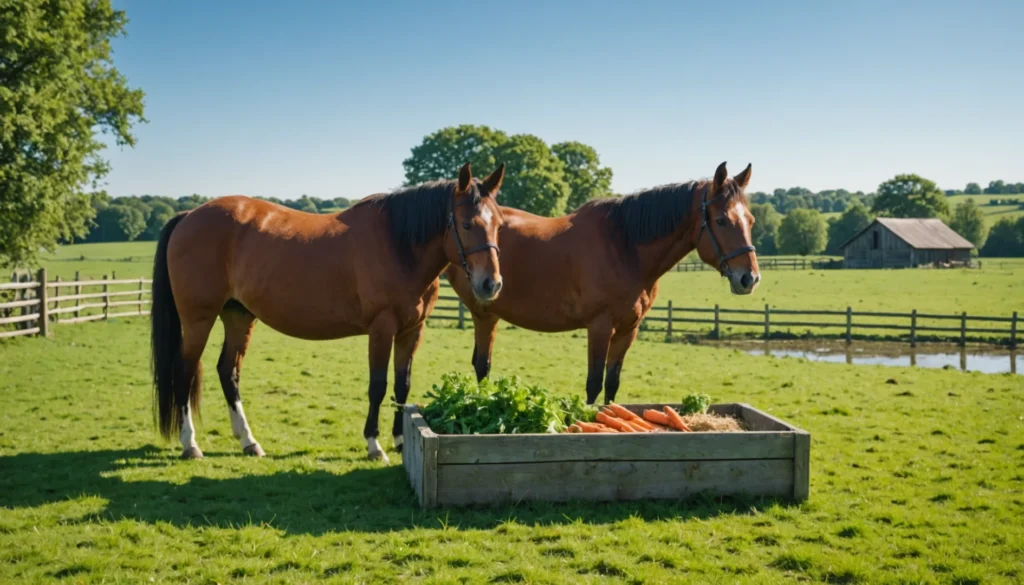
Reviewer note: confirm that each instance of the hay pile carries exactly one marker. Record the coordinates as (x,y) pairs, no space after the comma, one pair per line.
(712,423)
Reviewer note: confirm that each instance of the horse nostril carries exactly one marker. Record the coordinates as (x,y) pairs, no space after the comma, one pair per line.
(497,287)
(488,285)
(746,280)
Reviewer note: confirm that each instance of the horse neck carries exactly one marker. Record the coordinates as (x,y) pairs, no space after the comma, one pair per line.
(431,259)
(660,256)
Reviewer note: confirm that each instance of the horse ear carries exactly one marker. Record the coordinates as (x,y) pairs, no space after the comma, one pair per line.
(465,177)
(493,182)
(743,179)
(720,175)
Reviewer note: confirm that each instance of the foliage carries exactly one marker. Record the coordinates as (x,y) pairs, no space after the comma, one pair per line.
(972,189)
(58,86)
(117,223)
(766,228)
(534,176)
(1006,239)
(803,232)
(855,218)
(460,405)
(443,153)
(695,404)
(909,195)
(969,221)
(586,177)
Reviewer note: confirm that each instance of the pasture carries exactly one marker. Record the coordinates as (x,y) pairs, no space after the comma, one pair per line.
(916,475)
(1010,206)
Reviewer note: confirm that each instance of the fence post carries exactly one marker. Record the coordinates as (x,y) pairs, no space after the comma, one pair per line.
(668,328)
(717,329)
(462,315)
(963,329)
(56,304)
(1013,331)
(766,310)
(44,317)
(141,283)
(849,324)
(913,328)
(106,299)
(78,291)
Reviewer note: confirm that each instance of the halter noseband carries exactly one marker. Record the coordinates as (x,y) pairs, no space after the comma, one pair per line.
(704,224)
(458,240)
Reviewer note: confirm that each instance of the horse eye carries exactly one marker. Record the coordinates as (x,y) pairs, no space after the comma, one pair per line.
(466,225)
(720,221)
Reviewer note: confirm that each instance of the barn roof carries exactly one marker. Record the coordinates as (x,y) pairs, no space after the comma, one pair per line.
(920,233)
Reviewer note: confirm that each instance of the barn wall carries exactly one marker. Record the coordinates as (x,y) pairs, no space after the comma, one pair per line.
(892,252)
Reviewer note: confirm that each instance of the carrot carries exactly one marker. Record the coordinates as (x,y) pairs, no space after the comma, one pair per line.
(675,420)
(656,417)
(594,428)
(623,412)
(638,427)
(574,429)
(615,423)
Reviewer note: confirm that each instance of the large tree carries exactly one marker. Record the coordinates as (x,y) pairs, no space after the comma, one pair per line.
(766,228)
(969,222)
(58,86)
(442,154)
(534,176)
(910,196)
(586,177)
(1006,238)
(972,189)
(855,218)
(802,232)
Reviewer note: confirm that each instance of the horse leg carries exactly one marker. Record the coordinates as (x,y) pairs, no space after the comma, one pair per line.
(485,329)
(620,344)
(238,325)
(382,336)
(599,333)
(405,347)
(188,388)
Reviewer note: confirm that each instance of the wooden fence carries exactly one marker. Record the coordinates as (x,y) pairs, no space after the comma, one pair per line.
(718,322)
(31,306)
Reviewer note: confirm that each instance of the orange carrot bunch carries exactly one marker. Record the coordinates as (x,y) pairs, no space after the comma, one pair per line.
(616,418)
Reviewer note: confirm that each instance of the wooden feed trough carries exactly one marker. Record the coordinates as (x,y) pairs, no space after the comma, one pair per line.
(771,459)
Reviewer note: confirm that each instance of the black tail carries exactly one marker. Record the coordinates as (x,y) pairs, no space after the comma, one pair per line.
(165,338)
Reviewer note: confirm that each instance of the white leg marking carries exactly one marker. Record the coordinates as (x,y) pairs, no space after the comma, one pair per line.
(399,440)
(239,426)
(188,433)
(374,451)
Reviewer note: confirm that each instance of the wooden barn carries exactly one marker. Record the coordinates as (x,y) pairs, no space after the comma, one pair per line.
(905,243)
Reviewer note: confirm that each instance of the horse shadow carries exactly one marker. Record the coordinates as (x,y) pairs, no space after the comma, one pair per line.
(296,501)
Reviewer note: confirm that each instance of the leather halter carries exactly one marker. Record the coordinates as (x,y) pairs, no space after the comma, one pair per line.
(705,219)
(458,240)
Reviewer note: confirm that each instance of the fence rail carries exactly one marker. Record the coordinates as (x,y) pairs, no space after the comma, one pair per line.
(31,304)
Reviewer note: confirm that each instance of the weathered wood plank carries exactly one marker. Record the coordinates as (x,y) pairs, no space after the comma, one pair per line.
(19,319)
(81,319)
(411,448)
(761,421)
(470,449)
(801,465)
(127,314)
(460,485)
(19,332)
(19,304)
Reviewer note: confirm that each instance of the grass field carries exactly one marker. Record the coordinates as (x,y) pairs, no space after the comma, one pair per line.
(916,475)
(996,291)
(993,213)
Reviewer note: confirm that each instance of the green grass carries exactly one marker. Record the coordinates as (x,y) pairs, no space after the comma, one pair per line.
(993,213)
(917,476)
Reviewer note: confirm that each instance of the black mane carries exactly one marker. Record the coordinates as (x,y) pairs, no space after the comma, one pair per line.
(648,215)
(416,214)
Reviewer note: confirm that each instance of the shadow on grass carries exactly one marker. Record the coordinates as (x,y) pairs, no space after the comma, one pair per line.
(296,501)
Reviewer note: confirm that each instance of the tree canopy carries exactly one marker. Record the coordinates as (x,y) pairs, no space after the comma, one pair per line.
(969,222)
(910,196)
(58,86)
(583,172)
(802,232)
(766,228)
(855,218)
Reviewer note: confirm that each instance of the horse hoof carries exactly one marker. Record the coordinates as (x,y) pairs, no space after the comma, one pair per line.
(192,453)
(255,450)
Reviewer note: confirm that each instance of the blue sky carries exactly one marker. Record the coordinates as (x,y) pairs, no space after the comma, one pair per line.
(327,98)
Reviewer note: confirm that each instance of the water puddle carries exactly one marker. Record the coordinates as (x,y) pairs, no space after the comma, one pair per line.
(987,362)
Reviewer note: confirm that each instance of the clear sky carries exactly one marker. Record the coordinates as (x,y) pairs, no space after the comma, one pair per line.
(327,97)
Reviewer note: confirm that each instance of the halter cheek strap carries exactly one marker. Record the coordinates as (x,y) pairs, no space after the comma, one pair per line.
(458,241)
(705,225)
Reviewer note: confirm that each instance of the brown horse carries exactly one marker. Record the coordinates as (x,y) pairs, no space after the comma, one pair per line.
(372,269)
(598,268)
